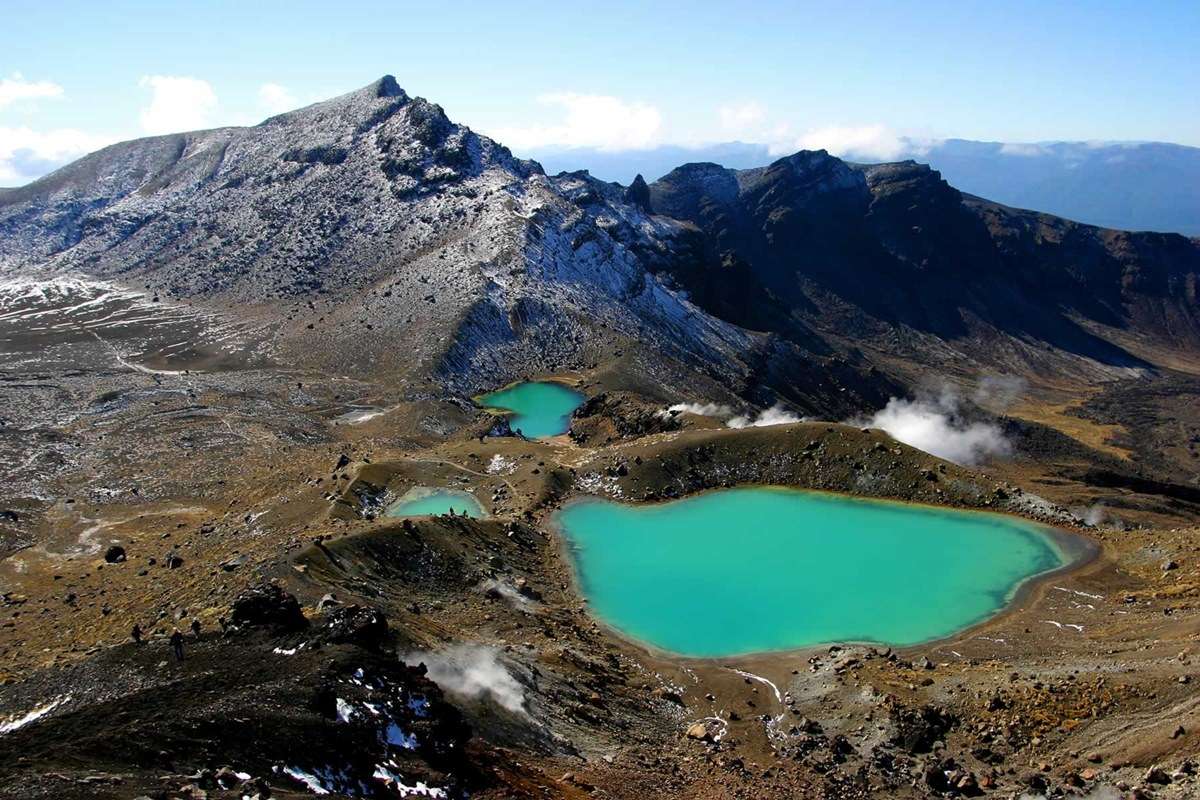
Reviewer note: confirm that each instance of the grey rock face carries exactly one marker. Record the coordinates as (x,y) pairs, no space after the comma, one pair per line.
(486,265)
(372,235)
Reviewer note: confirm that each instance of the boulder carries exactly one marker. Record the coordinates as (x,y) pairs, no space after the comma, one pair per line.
(1036,782)
(663,693)
(356,624)
(916,730)
(1156,774)
(267,605)
(227,778)
(810,726)
(229,565)
(114,554)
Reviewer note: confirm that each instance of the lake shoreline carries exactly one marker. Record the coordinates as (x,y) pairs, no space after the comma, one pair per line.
(1076,550)
(544,407)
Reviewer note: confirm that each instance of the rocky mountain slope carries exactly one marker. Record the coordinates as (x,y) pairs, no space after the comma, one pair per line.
(892,257)
(369,216)
(349,222)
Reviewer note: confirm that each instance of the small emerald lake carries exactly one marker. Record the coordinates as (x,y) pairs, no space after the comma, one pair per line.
(759,569)
(426,501)
(537,409)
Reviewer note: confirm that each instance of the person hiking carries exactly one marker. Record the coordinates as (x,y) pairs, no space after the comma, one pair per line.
(195,627)
(136,633)
(177,644)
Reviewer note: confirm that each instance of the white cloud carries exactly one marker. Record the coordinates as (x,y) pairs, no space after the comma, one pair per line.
(744,118)
(610,123)
(275,99)
(26,154)
(16,88)
(750,122)
(177,104)
(590,120)
(1022,149)
(871,142)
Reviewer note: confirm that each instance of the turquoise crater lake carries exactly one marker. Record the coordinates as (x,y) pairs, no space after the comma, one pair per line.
(423,501)
(766,568)
(538,409)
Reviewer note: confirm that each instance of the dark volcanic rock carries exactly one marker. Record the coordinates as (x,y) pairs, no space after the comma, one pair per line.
(638,194)
(618,415)
(346,720)
(916,730)
(267,605)
(812,242)
(366,627)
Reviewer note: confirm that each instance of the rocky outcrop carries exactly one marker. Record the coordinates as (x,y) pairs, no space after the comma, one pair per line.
(892,256)
(916,730)
(366,627)
(638,194)
(267,605)
(610,416)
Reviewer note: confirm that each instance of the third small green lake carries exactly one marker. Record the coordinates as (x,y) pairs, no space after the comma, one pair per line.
(761,569)
(428,501)
(538,408)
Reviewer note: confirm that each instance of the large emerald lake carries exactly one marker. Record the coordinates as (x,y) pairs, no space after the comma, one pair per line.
(538,409)
(759,569)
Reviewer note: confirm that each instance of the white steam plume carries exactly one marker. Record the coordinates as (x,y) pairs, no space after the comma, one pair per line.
(703,409)
(775,415)
(934,425)
(997,392)
(472,671)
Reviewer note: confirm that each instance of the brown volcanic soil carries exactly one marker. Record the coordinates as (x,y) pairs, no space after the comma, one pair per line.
(304,350)
(1087,680)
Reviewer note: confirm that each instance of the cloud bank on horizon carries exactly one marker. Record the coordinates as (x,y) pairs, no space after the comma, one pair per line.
(573,120)
(588,120)
(614,124)
(171,104)
(613,136)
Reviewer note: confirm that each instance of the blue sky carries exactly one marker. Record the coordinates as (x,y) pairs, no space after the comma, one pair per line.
(74,75)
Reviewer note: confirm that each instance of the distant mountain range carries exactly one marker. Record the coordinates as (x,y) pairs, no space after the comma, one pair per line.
(1131,186)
